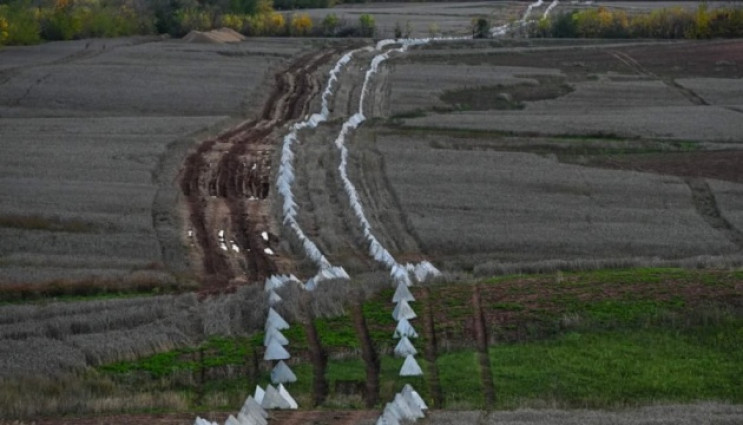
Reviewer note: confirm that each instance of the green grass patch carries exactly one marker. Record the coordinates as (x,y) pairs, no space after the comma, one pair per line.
(217,351)
(600,339)
(608,369)
(507,97)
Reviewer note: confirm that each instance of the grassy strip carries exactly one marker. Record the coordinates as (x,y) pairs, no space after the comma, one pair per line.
(635,337)
(600,369)
(605,369)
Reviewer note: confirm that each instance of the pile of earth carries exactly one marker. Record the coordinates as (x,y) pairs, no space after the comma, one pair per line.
(222,35)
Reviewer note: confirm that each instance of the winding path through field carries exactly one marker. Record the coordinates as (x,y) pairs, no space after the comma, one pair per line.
(226,182)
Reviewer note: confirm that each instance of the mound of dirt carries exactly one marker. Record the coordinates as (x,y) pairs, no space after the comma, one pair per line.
(222,35)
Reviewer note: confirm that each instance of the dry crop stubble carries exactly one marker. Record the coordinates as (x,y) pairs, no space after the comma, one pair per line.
(367,167)
(716,91)
(677,122)
(323,213)
(416,87)
(729,199)
(89,133)
(522,207)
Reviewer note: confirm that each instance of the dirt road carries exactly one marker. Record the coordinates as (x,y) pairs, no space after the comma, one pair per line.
(226,184)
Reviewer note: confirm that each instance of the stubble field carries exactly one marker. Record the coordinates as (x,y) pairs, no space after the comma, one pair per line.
(490,157)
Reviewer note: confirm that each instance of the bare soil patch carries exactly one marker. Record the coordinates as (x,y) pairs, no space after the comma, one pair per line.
(233,170)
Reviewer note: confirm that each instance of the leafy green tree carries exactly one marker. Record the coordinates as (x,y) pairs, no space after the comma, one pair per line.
(23,23)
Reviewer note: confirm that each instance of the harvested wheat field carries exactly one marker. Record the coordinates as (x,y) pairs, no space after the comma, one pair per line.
(525,230)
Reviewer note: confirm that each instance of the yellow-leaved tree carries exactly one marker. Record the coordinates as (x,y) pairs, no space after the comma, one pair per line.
(3,29)
(275,24)
(301,24)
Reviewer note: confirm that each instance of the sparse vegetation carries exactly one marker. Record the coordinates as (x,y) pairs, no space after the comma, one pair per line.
(651,334)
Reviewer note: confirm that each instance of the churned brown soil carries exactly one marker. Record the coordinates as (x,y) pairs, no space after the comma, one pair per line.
(226,182)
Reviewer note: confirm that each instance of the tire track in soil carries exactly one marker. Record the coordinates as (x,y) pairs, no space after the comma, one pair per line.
(382,203)
(317,354)
(633,64)
(431,351)
(706,205)
(226,183)
(481,336)
(369,354)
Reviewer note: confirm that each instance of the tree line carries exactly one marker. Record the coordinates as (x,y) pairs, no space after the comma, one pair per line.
(24,22)
(601,22)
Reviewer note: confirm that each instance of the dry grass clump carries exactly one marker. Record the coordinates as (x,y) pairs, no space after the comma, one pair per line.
(81,393)
(51,338)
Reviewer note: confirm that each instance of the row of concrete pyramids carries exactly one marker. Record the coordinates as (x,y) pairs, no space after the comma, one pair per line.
(252,413)
(407,406)
(403,313)
(274,342)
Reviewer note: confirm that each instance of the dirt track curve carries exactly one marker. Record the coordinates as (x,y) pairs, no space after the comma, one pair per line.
(226,183)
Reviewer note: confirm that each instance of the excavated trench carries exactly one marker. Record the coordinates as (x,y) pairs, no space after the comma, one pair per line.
(226,183)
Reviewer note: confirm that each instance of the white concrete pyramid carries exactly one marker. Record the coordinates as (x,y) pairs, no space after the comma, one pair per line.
(404,328)
(403,311)
(400,275)
(311,284)
(409,392)
(398,411)
(252,408)
(251,419)
(402,293)
(405,348)
(286,396)
(272,283)
(275,351)
(259,394)
(412,411)
(281,373)
(200,421)
(273,298)
(425,270)
(274,320)
(274,400)
(273,334)
(231,420)
(388,418)
(410,367)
